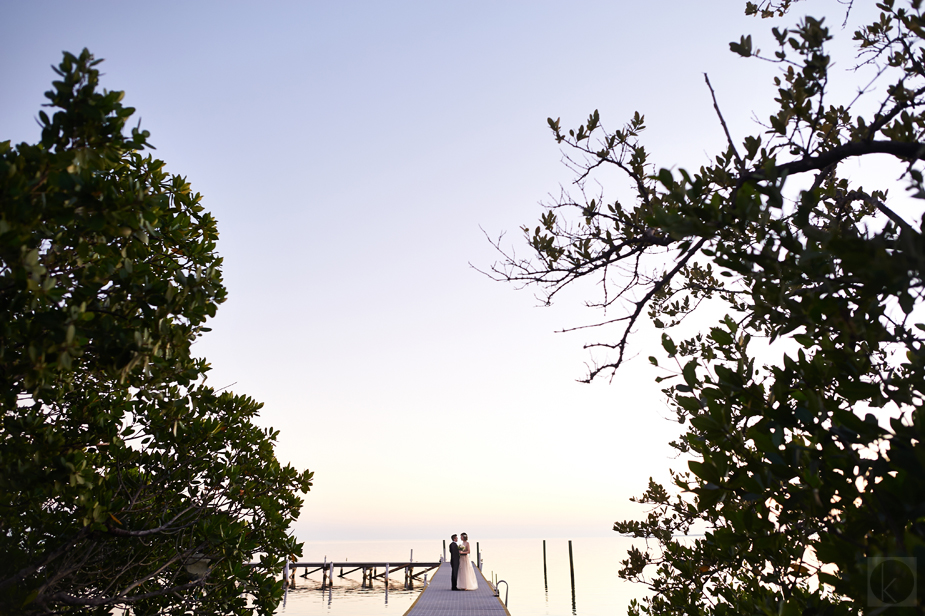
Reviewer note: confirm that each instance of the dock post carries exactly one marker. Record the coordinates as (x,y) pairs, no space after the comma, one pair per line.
(478,559)
(444,550)
(386,578)
(545,579)
(571,566)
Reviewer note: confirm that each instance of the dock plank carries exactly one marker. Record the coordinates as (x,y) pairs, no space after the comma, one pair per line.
(438,599)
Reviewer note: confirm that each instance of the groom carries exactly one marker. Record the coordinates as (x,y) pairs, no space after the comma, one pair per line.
(454,560)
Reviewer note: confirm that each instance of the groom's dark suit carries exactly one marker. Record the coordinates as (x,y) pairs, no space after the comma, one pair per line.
(454,562)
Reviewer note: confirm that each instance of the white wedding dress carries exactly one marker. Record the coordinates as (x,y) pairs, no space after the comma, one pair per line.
(467,578)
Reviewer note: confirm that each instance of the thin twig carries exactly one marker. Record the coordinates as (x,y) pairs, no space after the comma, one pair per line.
(723,122)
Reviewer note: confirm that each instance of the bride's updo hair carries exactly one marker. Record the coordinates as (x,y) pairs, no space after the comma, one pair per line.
(464,536)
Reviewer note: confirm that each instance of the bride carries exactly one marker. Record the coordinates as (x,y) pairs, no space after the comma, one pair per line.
(467,575)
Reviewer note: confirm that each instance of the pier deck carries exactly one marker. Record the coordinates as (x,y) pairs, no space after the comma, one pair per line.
(438,599)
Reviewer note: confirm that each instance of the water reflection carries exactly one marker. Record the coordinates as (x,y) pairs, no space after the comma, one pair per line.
(348,586)
(346,595)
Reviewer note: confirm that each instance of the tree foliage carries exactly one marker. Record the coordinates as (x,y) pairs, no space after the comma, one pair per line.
(125,480)
(803,405)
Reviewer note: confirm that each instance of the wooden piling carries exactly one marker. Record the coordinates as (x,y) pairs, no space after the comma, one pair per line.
(478,560)
(571,566)
(545,580)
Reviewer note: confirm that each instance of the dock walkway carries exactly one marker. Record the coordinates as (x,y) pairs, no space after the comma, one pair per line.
(438,599)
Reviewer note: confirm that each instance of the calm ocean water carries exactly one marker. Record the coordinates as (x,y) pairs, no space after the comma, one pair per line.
(598,590)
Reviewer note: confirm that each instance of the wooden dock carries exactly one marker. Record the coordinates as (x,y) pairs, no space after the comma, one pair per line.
(412,570)
(438,599)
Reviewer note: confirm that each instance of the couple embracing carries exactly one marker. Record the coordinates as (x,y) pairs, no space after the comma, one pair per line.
(463,576)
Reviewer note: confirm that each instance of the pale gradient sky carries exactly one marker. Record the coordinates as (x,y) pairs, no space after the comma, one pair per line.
(351,151)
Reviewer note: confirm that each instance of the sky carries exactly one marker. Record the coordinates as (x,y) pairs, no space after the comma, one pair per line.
(356,154)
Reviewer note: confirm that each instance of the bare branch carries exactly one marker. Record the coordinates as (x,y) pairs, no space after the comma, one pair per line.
(621,346)
(722,121)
